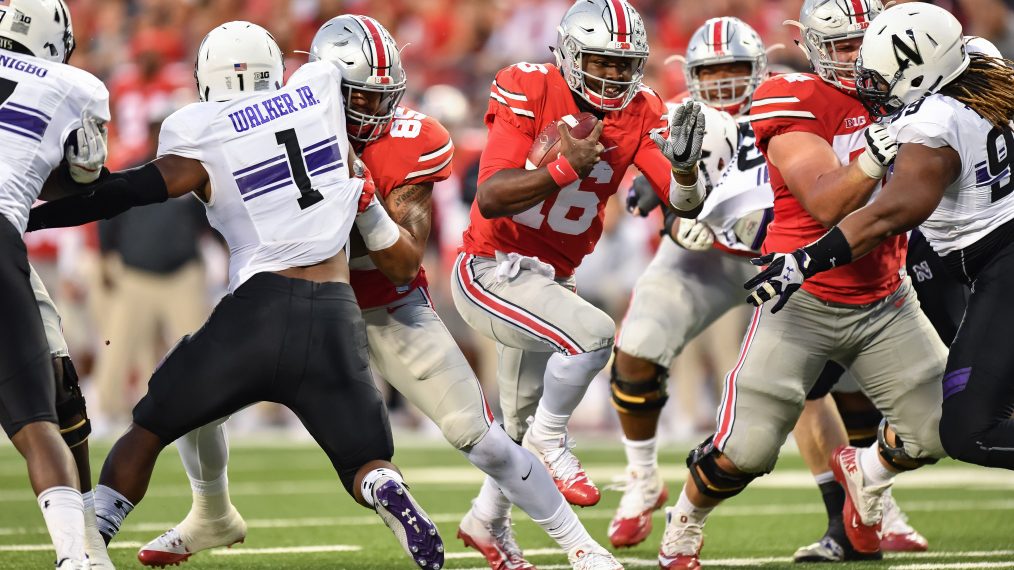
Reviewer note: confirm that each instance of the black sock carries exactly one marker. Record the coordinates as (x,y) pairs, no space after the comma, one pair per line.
(834,502)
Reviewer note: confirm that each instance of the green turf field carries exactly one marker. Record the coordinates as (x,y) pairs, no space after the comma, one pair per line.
(300,517)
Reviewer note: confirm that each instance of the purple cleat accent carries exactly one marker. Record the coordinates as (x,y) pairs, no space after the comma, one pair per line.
(410,524)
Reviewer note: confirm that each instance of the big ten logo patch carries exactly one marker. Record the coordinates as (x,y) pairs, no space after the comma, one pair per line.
(262,80)
(922,271)
(855,122)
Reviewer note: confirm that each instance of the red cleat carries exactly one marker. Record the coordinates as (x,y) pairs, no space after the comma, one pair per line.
(681,543)
(864,509)
(569,476)
(643,494)
(496,543)
(899,536)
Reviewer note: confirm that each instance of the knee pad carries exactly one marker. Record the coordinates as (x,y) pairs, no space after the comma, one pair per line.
(896,456)
(633,397)
(712,480)
(75,426)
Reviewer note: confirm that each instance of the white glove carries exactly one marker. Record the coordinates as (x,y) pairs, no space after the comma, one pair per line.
(880,151)
(686,135)
(87,154)
(509,265)
(694,235)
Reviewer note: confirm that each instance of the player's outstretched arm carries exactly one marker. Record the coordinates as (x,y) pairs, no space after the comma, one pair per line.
(511,191)
(166,177)
(410,208)
(826,189)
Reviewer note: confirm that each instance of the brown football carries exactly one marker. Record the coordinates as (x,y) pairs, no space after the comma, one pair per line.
(546,147)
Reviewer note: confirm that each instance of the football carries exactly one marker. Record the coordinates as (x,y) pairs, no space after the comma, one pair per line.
(546,147)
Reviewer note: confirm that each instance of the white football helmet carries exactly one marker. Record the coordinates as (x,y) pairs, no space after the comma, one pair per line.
(721,139)
(824,23)
(41,28)
(718,41)
(237,59)
(606,27)
(910,51)
(369,61)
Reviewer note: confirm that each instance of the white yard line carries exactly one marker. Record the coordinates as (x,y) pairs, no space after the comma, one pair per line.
(956,565)
(238,551)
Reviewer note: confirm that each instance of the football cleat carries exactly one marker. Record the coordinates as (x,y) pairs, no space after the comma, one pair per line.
(832,549)
(898,535)
(495,541)
(69,564)
(592,557)
(681,543)
(410,524)
(643,494)
(191,536)
(864,507)
(569,476)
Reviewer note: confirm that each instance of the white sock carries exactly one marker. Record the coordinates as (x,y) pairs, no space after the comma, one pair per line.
(874,471)
(520,475)
(63,509)
(110,509)
(205,455)
(374,478)
(567,378)
(491,504)
(210,499)
(642,454)
(95,547)
(694,513)
(825,477)
(548,428)
(565,528)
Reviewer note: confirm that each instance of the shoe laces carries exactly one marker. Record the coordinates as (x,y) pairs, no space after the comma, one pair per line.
(562,462)
(503,535)
(681,538)
(640,491)
(170,539)
(597,560)
(894,519)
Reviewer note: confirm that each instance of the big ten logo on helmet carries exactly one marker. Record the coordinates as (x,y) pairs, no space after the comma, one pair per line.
(262,80)
(21,22)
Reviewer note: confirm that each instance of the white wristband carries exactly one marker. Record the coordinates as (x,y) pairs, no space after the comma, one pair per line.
(379,231)
(870,166)
(686,198)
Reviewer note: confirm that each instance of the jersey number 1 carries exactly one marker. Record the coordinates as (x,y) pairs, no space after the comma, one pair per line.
(308,195)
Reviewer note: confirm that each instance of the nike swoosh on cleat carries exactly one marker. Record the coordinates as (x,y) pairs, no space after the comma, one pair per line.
(525,478)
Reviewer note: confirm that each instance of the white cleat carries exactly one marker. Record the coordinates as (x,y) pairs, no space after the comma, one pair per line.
(496,542)
(643,494)
(569,476)
(897,534)
(68,564)
(191,536)
(592,557)
(681,543)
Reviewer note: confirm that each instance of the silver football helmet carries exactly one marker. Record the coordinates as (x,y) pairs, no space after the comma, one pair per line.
(718,41)
(41,28)
(237,59)
(912,50)
(606,27)
(369,61)
(824,23)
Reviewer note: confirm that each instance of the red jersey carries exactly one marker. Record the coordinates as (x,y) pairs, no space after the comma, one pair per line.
(416,149)
(804,102)
(565,227)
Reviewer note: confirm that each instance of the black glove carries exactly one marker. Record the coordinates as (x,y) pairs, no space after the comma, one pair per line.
(786,272)
(641,198)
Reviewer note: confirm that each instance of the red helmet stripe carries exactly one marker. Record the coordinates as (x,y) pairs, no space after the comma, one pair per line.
(380,58)
(620,15)
(857,6)
(716,37)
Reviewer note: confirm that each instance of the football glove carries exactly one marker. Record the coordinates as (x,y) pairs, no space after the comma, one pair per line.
(694,235)
(880,151)
(86,152)
(686,135)
(783,276)
(641,198)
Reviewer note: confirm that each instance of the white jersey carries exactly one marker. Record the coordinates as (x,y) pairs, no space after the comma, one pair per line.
(742,188)
(982,198)
(281,193)
(41,103)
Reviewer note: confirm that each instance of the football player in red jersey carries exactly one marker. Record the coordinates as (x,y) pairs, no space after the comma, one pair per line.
(405,152)
(531,227)
(825,161)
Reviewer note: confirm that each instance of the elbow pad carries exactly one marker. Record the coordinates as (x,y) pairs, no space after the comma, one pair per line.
(113,195)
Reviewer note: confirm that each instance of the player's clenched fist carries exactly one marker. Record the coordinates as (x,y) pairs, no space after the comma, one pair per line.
(582,154)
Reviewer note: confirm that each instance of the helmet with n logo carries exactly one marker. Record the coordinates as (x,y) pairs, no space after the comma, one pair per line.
(610,28)
(910,51)
(370,63)
(37,27)
(720,41)
(825,23)
(237,59)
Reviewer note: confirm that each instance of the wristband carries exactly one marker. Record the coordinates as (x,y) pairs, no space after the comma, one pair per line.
(830,251)
(686,198)
(562,172)
(379,231)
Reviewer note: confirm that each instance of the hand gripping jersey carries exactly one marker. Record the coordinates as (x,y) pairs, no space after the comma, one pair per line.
(743,187)
(281,192)
(415,150)
(561,230)
(982,198)
(41,102)
(803,102)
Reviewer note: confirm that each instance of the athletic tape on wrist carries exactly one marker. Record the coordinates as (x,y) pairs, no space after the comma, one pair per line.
(379,231)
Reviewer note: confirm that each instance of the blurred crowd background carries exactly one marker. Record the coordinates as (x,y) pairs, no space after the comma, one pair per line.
(130,287)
